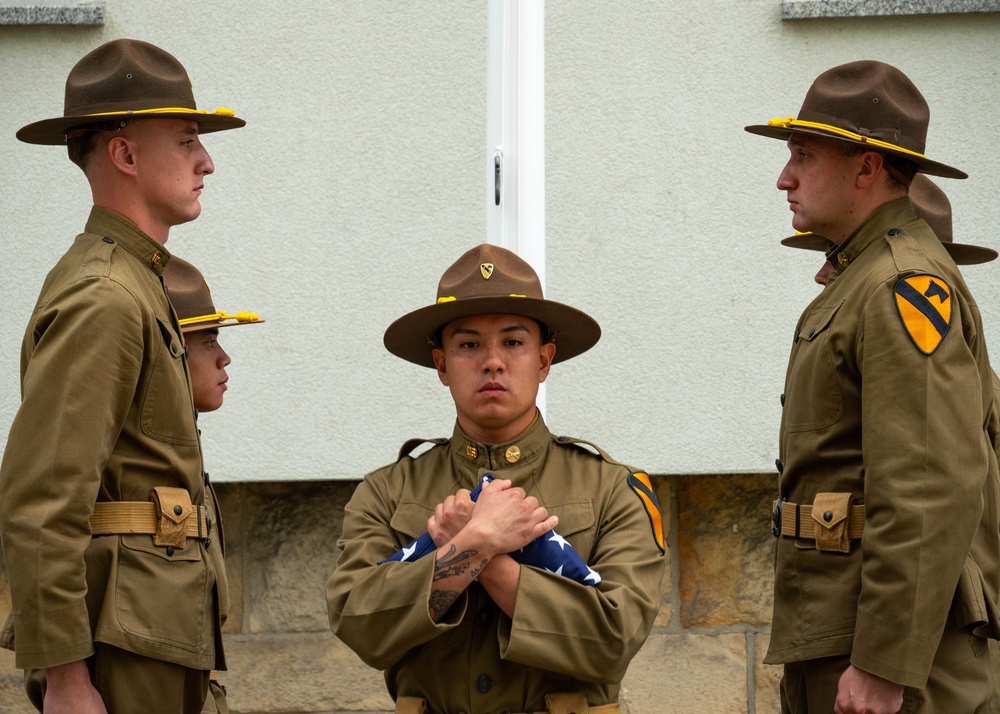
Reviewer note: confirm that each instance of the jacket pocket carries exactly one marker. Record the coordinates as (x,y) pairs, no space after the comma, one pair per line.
(972,604)
(164,598)
(167,409)
(828,585)
(410,519)
(813,398)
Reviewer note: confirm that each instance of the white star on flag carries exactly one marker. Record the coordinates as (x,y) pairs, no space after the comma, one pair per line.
(557,571)
(593,575)
(556,538)
(407,552)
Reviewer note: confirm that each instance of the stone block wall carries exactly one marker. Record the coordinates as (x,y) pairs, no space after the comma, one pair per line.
(704,654)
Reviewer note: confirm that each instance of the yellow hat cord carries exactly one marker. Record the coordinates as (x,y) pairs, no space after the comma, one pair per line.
(452,298)
(791,123)
(219,317)
(221,111)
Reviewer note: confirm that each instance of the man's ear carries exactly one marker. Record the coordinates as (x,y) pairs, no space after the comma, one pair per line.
(546,354)
(872,164)
(437,354)
(121,153)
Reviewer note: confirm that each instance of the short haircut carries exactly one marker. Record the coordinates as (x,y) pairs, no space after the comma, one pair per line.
(82,141)
(899,165)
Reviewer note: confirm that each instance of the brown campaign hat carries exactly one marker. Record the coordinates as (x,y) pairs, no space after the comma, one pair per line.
(192,300)
(869,103)
(490,280)
(123,79)
(931,204)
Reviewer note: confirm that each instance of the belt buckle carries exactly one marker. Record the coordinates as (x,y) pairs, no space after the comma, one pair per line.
(776,518)
(203,511)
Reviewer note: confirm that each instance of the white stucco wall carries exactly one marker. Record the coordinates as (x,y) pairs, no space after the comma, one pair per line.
(358,180)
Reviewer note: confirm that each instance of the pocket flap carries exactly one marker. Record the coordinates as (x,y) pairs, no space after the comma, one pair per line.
(829,509)
(574,516)
(817,321)
(173,508)
(411,518)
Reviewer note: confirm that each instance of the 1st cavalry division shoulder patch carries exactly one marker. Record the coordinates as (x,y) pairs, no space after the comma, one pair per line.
(643,488)
(924,306)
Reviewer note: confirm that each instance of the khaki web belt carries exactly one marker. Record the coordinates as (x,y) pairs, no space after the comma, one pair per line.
(795,520)
(170,518)
(556,704)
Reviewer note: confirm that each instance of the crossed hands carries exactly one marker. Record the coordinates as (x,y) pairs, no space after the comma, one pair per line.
(503,519)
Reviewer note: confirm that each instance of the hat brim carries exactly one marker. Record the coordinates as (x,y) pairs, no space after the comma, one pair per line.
(968,254)
(806,241)
(411,337)
(201,326)
(961,253)
(927,166)
(52,132)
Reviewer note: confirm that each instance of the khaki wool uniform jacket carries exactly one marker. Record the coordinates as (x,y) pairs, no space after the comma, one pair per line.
(565,637)
(106,415)
(911,436)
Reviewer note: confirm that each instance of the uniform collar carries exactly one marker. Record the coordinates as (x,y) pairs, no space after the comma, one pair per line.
(878,225)
(117,227)
(529,443)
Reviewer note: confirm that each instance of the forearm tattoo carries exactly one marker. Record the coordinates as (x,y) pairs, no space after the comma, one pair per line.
(440,601)
(450,565)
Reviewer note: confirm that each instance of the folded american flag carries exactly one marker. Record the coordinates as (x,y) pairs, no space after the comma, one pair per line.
(550,552)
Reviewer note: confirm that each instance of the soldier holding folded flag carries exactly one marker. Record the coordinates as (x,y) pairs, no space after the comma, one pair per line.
(543,559)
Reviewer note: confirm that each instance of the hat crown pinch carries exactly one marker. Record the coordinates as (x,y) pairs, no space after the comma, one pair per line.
(131,72)
(870,98)
(510,275)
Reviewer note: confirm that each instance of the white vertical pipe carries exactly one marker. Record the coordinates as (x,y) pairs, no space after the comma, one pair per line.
(515,131)
(531,134)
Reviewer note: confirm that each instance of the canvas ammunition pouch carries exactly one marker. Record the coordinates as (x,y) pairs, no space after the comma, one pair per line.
(561,703)
(169,517)
(410,705)
(833,521)
(574,703)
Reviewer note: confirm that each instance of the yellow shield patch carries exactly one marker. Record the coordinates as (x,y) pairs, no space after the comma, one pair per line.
(643,488)
(486,269)
(924,306)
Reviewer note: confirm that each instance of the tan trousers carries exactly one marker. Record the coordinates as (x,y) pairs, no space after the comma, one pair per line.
(130,683)
(965,677)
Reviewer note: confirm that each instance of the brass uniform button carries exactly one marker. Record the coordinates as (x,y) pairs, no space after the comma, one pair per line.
(471,452)
(843,259)
(513,454)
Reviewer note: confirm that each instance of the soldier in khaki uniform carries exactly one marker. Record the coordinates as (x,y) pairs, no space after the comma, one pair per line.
(118,591)
(207,361)
(886,567)
(474,627)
